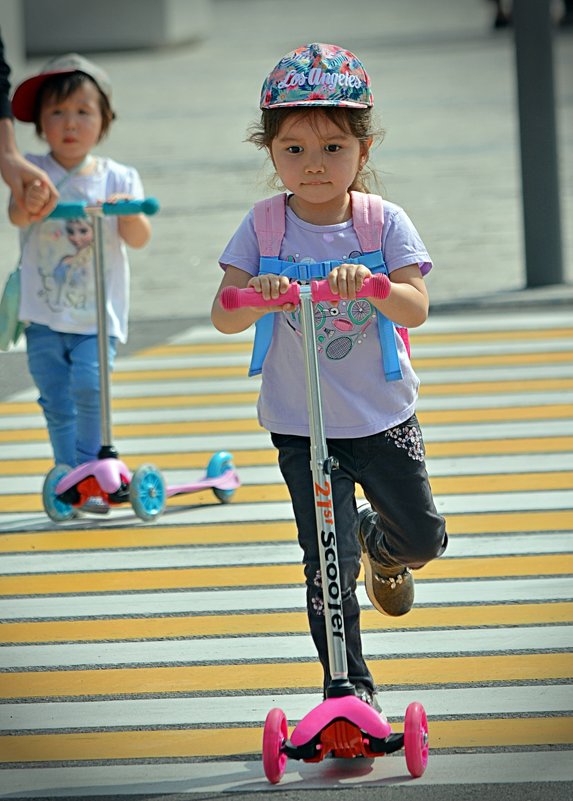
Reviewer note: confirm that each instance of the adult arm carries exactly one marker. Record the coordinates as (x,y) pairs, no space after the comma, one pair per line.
(17,172)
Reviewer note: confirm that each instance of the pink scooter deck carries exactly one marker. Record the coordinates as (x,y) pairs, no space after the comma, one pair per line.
(109,473)
(349,708)
(227,481)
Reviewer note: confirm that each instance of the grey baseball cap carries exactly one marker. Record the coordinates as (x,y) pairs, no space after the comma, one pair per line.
(24,98)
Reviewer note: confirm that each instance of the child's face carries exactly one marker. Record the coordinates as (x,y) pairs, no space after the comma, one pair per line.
(72,126)
(315,159)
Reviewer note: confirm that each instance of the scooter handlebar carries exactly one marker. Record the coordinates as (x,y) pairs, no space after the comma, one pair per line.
(148,205)
(378,287)
(234,298)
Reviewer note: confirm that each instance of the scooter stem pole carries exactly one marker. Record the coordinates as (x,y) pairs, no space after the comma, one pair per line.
(102,338)
(321,466)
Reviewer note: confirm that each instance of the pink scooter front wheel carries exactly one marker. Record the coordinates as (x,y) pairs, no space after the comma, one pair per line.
(274,736)
(416,741)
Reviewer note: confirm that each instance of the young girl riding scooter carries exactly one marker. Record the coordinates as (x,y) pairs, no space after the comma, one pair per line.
(317,127)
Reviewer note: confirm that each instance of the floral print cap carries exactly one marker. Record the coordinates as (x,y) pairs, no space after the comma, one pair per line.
(317,75)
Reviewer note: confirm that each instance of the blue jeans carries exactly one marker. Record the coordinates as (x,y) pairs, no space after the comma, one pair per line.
(406,529)
(65,369)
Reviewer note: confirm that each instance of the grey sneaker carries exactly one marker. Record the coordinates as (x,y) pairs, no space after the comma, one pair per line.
(368,696)
(390,589)
(94,506)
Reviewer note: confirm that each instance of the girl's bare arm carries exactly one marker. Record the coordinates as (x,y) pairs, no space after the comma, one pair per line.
(408,302)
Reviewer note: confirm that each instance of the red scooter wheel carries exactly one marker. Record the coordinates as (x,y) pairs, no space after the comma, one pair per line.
(416,745)
(274,736)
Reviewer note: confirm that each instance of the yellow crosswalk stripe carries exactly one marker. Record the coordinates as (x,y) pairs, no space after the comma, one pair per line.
(556,411)
(237,398)
(267,575)
(192,742)
(248,677)
(418,338)
(151,402)
(497,387)
(223,534)
(420,362)
(421,337)
(251,457)
(267,493)
(278,623)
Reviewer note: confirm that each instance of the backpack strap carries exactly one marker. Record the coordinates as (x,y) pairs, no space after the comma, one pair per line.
(368,220)
(269,218)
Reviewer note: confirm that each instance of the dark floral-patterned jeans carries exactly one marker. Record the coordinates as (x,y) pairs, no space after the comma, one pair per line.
(406,529)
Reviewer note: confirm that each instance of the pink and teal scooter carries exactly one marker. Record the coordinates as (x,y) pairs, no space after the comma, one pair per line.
(66,489)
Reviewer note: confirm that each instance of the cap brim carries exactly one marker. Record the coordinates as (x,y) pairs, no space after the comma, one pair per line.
(24,98)
(323,103)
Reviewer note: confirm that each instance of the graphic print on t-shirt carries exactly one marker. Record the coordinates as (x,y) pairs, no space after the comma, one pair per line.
(67,282)
(338,327)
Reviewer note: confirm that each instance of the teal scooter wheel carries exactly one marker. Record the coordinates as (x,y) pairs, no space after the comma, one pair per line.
(220,463)
(57,510)
(147,492)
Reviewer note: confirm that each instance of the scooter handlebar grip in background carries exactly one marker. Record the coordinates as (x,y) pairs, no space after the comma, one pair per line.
(148,205)
(378,287)
(234,298)
(69,211)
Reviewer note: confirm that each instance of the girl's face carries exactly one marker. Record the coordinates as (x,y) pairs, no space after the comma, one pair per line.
(317,162)
(72,127)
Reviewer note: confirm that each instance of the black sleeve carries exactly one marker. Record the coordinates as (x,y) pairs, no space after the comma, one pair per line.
(5,107)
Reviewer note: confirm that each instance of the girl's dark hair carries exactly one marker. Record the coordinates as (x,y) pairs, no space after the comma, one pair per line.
(358,122)
(60,87)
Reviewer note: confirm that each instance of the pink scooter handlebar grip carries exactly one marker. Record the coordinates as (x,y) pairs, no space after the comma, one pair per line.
(234,298)
(377,287)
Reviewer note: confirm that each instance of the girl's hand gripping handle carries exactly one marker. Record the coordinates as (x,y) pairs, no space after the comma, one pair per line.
(234,298)
(70,211)
(378,287)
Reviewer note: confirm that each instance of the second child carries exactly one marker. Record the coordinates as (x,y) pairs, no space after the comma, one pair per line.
(69,103)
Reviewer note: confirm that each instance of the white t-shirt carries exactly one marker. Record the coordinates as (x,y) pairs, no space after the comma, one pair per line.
(57,277)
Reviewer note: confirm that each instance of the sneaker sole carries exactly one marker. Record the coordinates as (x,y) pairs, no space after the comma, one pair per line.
(98,512)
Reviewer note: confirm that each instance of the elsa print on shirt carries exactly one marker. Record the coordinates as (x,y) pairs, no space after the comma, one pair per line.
(66,285)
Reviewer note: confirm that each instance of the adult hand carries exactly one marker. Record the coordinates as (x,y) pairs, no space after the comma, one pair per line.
(19,174)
